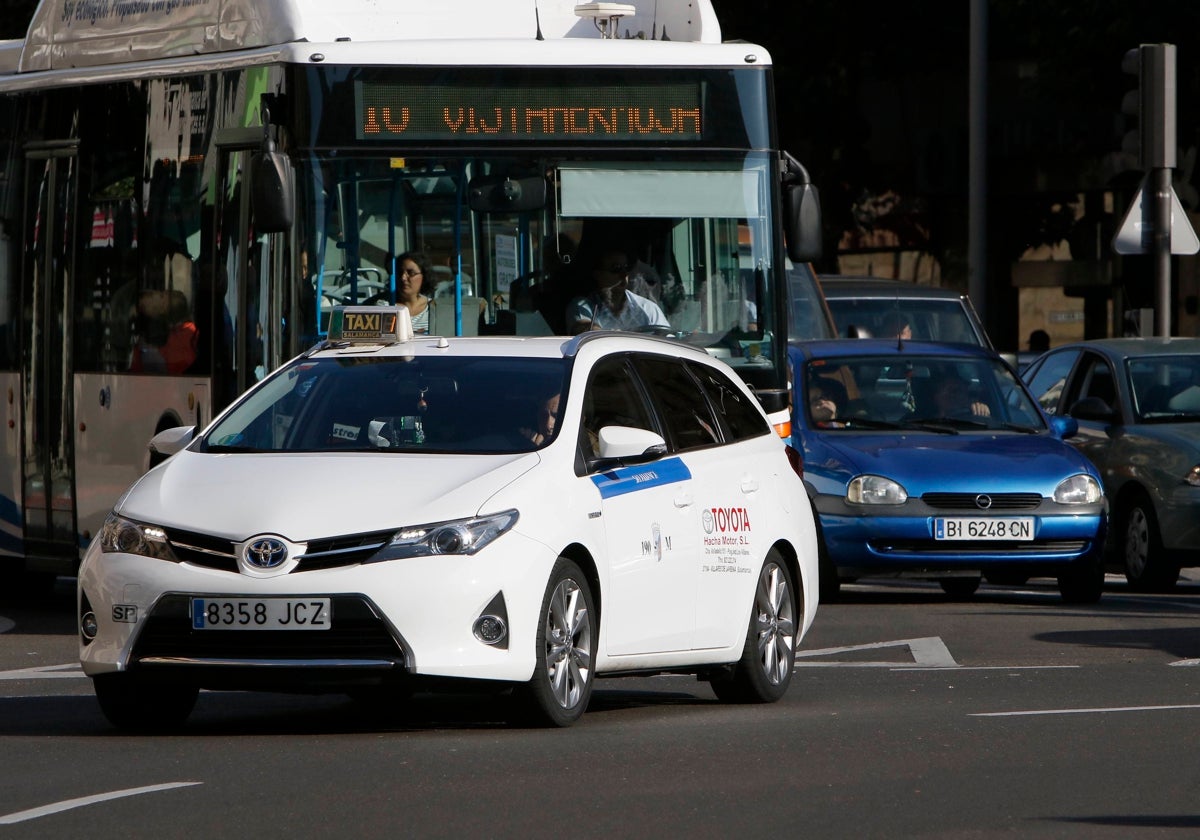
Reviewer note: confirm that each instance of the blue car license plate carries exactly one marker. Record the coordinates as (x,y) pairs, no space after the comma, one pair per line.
(1016,528)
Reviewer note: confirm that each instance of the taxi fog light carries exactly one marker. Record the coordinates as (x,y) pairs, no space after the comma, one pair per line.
(1193,476)
(875,490)
(491,627)
(88,625)
(1078,490)
(459,536)
(127,537)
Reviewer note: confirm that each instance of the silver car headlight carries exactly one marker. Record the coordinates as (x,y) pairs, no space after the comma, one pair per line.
(875,490)
(1078,490)
(128,537)
(1193,476)
(456,536)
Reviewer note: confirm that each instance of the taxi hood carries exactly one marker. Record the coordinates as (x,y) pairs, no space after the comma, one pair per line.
(302,496)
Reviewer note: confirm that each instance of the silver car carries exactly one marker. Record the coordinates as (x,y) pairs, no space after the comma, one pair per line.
(1137,401)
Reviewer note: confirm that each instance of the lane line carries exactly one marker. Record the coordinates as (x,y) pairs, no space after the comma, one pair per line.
(68,804)
(1083,711)
(46,672)
(929,652)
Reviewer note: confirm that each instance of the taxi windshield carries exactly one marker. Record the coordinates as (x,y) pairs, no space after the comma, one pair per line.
(395,404)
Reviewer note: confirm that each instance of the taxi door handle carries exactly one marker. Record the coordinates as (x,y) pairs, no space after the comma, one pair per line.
(749,485)
(684,500)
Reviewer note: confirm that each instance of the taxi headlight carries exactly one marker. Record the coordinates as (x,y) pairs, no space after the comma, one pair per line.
(458,536)
(875,490)
(128,537)
(1078,490)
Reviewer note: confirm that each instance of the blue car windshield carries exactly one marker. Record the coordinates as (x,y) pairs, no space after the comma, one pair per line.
(393,404)
(1166,388)
(936,393)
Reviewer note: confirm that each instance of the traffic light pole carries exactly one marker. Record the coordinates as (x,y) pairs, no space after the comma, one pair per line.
(1160,182)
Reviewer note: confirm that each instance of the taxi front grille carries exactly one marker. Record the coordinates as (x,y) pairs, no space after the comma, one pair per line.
(356,632)
(970,501)
(326,553)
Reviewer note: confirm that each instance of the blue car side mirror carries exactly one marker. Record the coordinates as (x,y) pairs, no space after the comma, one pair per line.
(1063,427)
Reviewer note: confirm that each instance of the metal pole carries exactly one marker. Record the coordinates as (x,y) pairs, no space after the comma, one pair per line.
(1160,181)
(977,162)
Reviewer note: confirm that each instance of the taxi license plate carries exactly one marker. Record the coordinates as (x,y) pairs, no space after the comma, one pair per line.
(1016,529)
(260,614)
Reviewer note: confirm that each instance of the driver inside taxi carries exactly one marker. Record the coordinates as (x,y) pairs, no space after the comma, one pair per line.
(611,305)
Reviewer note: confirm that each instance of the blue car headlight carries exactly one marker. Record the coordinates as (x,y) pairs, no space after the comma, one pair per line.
(128,537)
(875,490)
(456,536)
(1078,490)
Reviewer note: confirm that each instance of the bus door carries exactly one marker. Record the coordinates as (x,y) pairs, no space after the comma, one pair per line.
(252,266)
(48,477)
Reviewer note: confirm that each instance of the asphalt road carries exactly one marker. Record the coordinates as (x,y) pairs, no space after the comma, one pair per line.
(910,715)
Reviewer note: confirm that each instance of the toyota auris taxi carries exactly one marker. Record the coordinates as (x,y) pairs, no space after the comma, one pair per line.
(388,511)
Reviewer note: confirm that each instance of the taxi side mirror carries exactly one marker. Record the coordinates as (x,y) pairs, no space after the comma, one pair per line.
(627,445)
(169,441)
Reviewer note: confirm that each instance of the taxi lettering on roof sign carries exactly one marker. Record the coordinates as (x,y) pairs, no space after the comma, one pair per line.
(370,323)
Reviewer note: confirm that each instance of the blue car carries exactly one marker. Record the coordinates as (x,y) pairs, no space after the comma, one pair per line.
(932,460)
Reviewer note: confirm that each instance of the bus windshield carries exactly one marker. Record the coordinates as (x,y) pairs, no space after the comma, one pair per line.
(510,238)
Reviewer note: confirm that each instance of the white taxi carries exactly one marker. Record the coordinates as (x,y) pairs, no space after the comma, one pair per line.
(388,511)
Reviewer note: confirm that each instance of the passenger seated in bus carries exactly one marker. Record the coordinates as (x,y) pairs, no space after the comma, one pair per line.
(414,282)
(610,305)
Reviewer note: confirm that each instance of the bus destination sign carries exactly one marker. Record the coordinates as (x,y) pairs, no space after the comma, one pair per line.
(667,112)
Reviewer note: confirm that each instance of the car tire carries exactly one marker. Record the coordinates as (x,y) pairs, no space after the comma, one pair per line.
(960,587)
(829,584)
(1146,566)
(137,705)
(763,673)
(558,693)
(1082,583)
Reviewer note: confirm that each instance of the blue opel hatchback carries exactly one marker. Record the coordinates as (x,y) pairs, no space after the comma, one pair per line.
(932,460)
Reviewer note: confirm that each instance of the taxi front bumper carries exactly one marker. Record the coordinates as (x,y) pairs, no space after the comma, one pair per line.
(388,621)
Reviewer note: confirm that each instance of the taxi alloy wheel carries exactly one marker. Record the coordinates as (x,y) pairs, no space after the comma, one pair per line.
(566,645)
(764,672)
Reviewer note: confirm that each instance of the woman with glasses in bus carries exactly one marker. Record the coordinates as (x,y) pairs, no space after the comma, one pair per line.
(413,284)
(611,306)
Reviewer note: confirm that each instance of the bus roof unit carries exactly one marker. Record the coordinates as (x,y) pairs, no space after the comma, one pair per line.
(83,33)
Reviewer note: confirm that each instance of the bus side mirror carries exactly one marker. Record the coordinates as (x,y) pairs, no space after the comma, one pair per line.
(507,194)
(802,212)
(271,190)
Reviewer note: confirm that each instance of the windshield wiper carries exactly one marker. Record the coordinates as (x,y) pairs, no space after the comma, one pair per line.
(869,423)
(1017,427)
(941,425)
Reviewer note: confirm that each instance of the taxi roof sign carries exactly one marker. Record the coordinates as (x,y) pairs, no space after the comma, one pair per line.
(370,324)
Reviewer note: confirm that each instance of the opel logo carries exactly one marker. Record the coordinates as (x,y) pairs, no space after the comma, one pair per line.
(266,553)
(983,501)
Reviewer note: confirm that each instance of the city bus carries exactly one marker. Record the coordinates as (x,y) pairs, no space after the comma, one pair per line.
(189,187)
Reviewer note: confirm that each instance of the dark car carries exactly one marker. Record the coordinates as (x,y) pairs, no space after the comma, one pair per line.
(1137,405)
(932,460)
(864,307)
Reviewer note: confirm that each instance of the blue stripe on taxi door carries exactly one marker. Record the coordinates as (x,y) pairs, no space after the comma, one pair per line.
(624,480)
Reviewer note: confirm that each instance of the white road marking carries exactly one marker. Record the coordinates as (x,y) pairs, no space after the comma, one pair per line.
(46,672)
(1082,711)
(929,652)
(68,804)
(1185,663)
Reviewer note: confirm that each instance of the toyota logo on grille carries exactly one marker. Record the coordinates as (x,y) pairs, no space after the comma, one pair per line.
(266,553)
(983,501)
